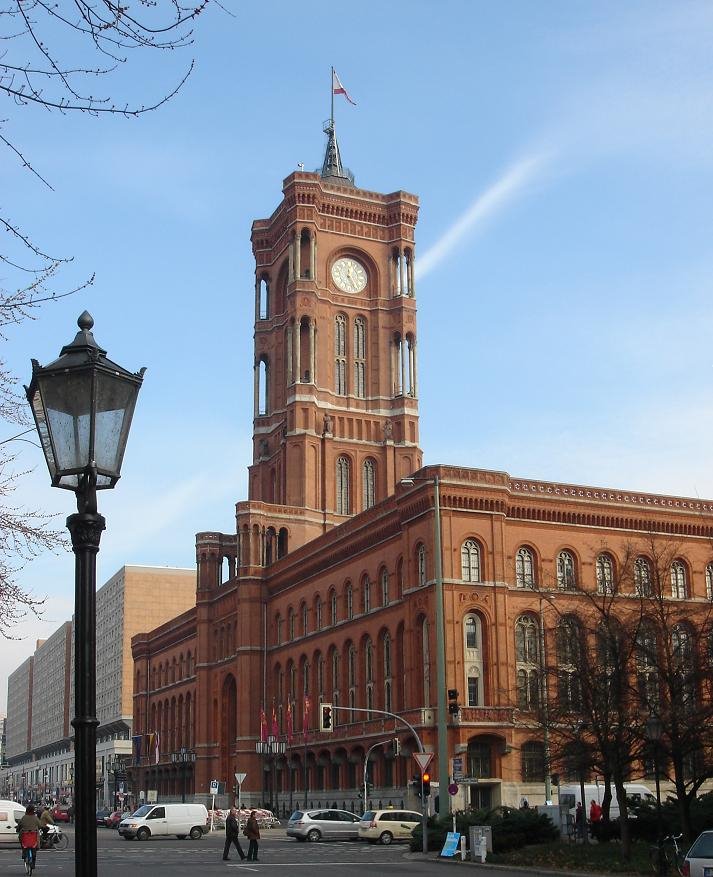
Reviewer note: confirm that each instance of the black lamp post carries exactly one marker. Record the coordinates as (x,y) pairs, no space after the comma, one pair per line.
(654,730)
(83,404)
(183,759)
(271,748)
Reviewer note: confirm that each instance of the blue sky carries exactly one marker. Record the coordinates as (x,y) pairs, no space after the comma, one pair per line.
(562,154)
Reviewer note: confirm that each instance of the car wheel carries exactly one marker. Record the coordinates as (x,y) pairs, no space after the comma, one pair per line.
(386,837)
(313,835)
(195,833)
(143,834)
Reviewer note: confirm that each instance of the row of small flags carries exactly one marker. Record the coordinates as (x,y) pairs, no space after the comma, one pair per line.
(149,745)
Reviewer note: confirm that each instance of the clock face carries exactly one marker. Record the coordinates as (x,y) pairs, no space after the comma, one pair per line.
(348,275)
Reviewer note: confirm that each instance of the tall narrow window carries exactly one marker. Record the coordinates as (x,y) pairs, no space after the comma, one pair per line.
(533,762)
(642,577)
(527,660)
(333,608)
(263,388)
(343,501)
(470,561)
(525,568)
(569,658)
(350,603)
(360,357)
(421,564)
(340,355)
(565,571)
(304,620)
(605,574)
(368,484)
(709,581)
(426,652)
(384,587)
(291,624)
(366,594)
(646,654)
(473,659)
(318,614)
(679,585)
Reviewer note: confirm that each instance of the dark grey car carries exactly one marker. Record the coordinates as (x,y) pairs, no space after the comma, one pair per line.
(327,824)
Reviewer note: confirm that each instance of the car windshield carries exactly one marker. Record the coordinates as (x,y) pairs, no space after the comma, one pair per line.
(369,814)
(703,847)
(296,815)
(143,810)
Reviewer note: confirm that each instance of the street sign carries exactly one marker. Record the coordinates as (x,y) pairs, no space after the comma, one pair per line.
(151,796)
(239,778)
(458,767)
(453,789)
(423,759)
(214,787)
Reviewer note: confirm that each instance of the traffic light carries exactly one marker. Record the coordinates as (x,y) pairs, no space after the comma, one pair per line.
(453,705)
(416,786)
(325,717)
(426,784)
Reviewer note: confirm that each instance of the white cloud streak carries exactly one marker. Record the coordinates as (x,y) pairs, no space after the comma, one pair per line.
(486,205)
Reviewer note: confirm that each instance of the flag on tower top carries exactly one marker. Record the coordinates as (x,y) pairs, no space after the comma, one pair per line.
(338,88)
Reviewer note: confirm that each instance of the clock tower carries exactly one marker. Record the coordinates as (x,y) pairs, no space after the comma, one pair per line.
(335,384)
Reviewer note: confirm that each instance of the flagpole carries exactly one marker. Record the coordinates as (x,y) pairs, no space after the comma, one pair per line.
(331,91)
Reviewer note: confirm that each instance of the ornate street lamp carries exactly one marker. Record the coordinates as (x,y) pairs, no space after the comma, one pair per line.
(183,759)
(83,404)
(270,748)
(654,731)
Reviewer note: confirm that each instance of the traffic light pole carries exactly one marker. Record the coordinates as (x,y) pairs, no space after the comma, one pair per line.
(372,712)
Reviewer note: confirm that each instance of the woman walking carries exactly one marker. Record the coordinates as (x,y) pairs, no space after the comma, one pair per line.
(252,832)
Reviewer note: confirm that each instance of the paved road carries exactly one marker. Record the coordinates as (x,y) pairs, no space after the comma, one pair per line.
(279,855)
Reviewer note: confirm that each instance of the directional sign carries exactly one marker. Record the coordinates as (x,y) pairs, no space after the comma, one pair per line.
(214,787)
(239,778)
(423,759)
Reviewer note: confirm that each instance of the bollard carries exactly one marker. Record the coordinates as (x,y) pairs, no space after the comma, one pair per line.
(482,849)
(462,848)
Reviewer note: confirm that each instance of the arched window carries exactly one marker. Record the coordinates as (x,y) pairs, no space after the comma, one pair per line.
(525,568)
(709,581)
(304,620)
(290,624)
(333,608)
(384,587)
(368,484)
(343,492)
(366,594)
(263,387)
(360,357)
(679,585)
(533,762)
(340,355)
(278,630)
(318,613)
(349,593)
(569,662)
(646,654)
(470,561)
(566,580)
(426,653)
(473,659)
(683,693)
(642,577)
(351,678)
(527,662)
(605,574)
(421,564)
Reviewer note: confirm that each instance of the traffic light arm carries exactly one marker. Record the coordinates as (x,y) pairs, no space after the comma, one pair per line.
(358,709)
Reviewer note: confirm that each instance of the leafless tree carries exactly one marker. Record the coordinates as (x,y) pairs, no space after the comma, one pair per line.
(58,56)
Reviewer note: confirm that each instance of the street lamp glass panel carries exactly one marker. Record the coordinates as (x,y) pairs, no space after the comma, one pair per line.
(116,398)
(67,402)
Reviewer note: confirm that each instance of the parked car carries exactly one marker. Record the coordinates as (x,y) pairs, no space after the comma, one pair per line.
(60,813)
(386,826)
(699,859)
(154,820)
(102,815)
(114,818)
(327,824)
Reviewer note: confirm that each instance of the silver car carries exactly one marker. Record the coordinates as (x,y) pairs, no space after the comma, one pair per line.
(699,859)
(327,824)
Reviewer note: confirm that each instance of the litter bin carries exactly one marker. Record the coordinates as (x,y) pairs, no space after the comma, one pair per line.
(481,842)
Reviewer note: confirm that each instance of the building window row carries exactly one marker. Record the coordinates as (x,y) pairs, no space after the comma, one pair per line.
(344,492)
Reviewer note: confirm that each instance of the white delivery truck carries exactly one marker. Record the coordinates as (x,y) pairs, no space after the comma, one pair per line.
(570,795)
(156,820)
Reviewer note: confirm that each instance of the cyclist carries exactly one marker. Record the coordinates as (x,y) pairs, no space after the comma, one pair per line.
(45,821)
(30,822)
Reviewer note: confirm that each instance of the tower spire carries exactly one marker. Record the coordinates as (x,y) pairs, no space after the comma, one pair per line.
(332,168)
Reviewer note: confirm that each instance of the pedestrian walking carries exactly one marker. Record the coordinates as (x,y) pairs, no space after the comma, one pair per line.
(232,835)
(252,833)
(595,812)
(579,820)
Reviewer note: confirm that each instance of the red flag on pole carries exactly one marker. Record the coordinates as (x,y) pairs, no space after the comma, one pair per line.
(275,726)
(263,726)
(305,716)
(338,88)
(289,724)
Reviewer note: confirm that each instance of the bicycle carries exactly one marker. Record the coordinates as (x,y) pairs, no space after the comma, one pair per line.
(54,839)
(29,841)
(667,857)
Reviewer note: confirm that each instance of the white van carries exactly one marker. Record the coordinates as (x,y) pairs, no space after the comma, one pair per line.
(10,814)
(570,795)
(157,820)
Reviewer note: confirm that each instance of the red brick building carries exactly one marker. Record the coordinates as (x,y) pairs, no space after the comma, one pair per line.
(325,592)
